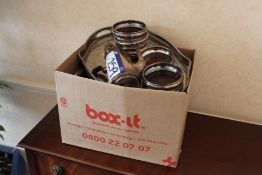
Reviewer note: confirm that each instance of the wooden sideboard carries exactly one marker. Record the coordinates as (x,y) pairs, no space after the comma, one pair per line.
(211,146)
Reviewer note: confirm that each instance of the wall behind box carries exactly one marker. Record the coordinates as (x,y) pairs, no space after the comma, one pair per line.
(36,36)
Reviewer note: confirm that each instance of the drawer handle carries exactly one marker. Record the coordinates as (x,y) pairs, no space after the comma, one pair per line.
(57,170)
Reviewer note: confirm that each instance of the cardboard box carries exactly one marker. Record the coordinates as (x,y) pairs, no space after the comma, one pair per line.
(141,124)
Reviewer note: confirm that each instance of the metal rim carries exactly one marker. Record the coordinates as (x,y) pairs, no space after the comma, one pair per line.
(134,78)
(158,49)
(129,23)
(176,85)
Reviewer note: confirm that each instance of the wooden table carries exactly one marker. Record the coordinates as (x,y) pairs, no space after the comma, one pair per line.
(211,146)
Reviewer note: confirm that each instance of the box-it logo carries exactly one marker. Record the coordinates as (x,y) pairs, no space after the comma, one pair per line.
(132,122)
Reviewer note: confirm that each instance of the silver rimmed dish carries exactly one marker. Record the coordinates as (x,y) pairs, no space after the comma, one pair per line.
(157,54)
(163,76)
(130,35)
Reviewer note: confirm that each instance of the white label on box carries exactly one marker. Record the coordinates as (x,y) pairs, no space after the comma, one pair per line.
(114,65)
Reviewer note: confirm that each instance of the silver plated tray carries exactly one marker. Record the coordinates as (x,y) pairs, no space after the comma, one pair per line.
(92,54)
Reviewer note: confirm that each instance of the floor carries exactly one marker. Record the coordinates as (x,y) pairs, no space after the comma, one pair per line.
(22,109)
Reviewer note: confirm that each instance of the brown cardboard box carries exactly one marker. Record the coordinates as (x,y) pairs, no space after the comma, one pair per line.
(142,124)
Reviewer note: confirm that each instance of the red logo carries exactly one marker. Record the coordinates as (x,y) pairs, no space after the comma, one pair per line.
(63,101)
(169,161)
(113,118)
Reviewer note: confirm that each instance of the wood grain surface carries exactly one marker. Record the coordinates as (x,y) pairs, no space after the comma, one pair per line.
(211,146)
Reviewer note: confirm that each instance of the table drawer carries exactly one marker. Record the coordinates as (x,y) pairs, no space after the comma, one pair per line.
(49,165)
